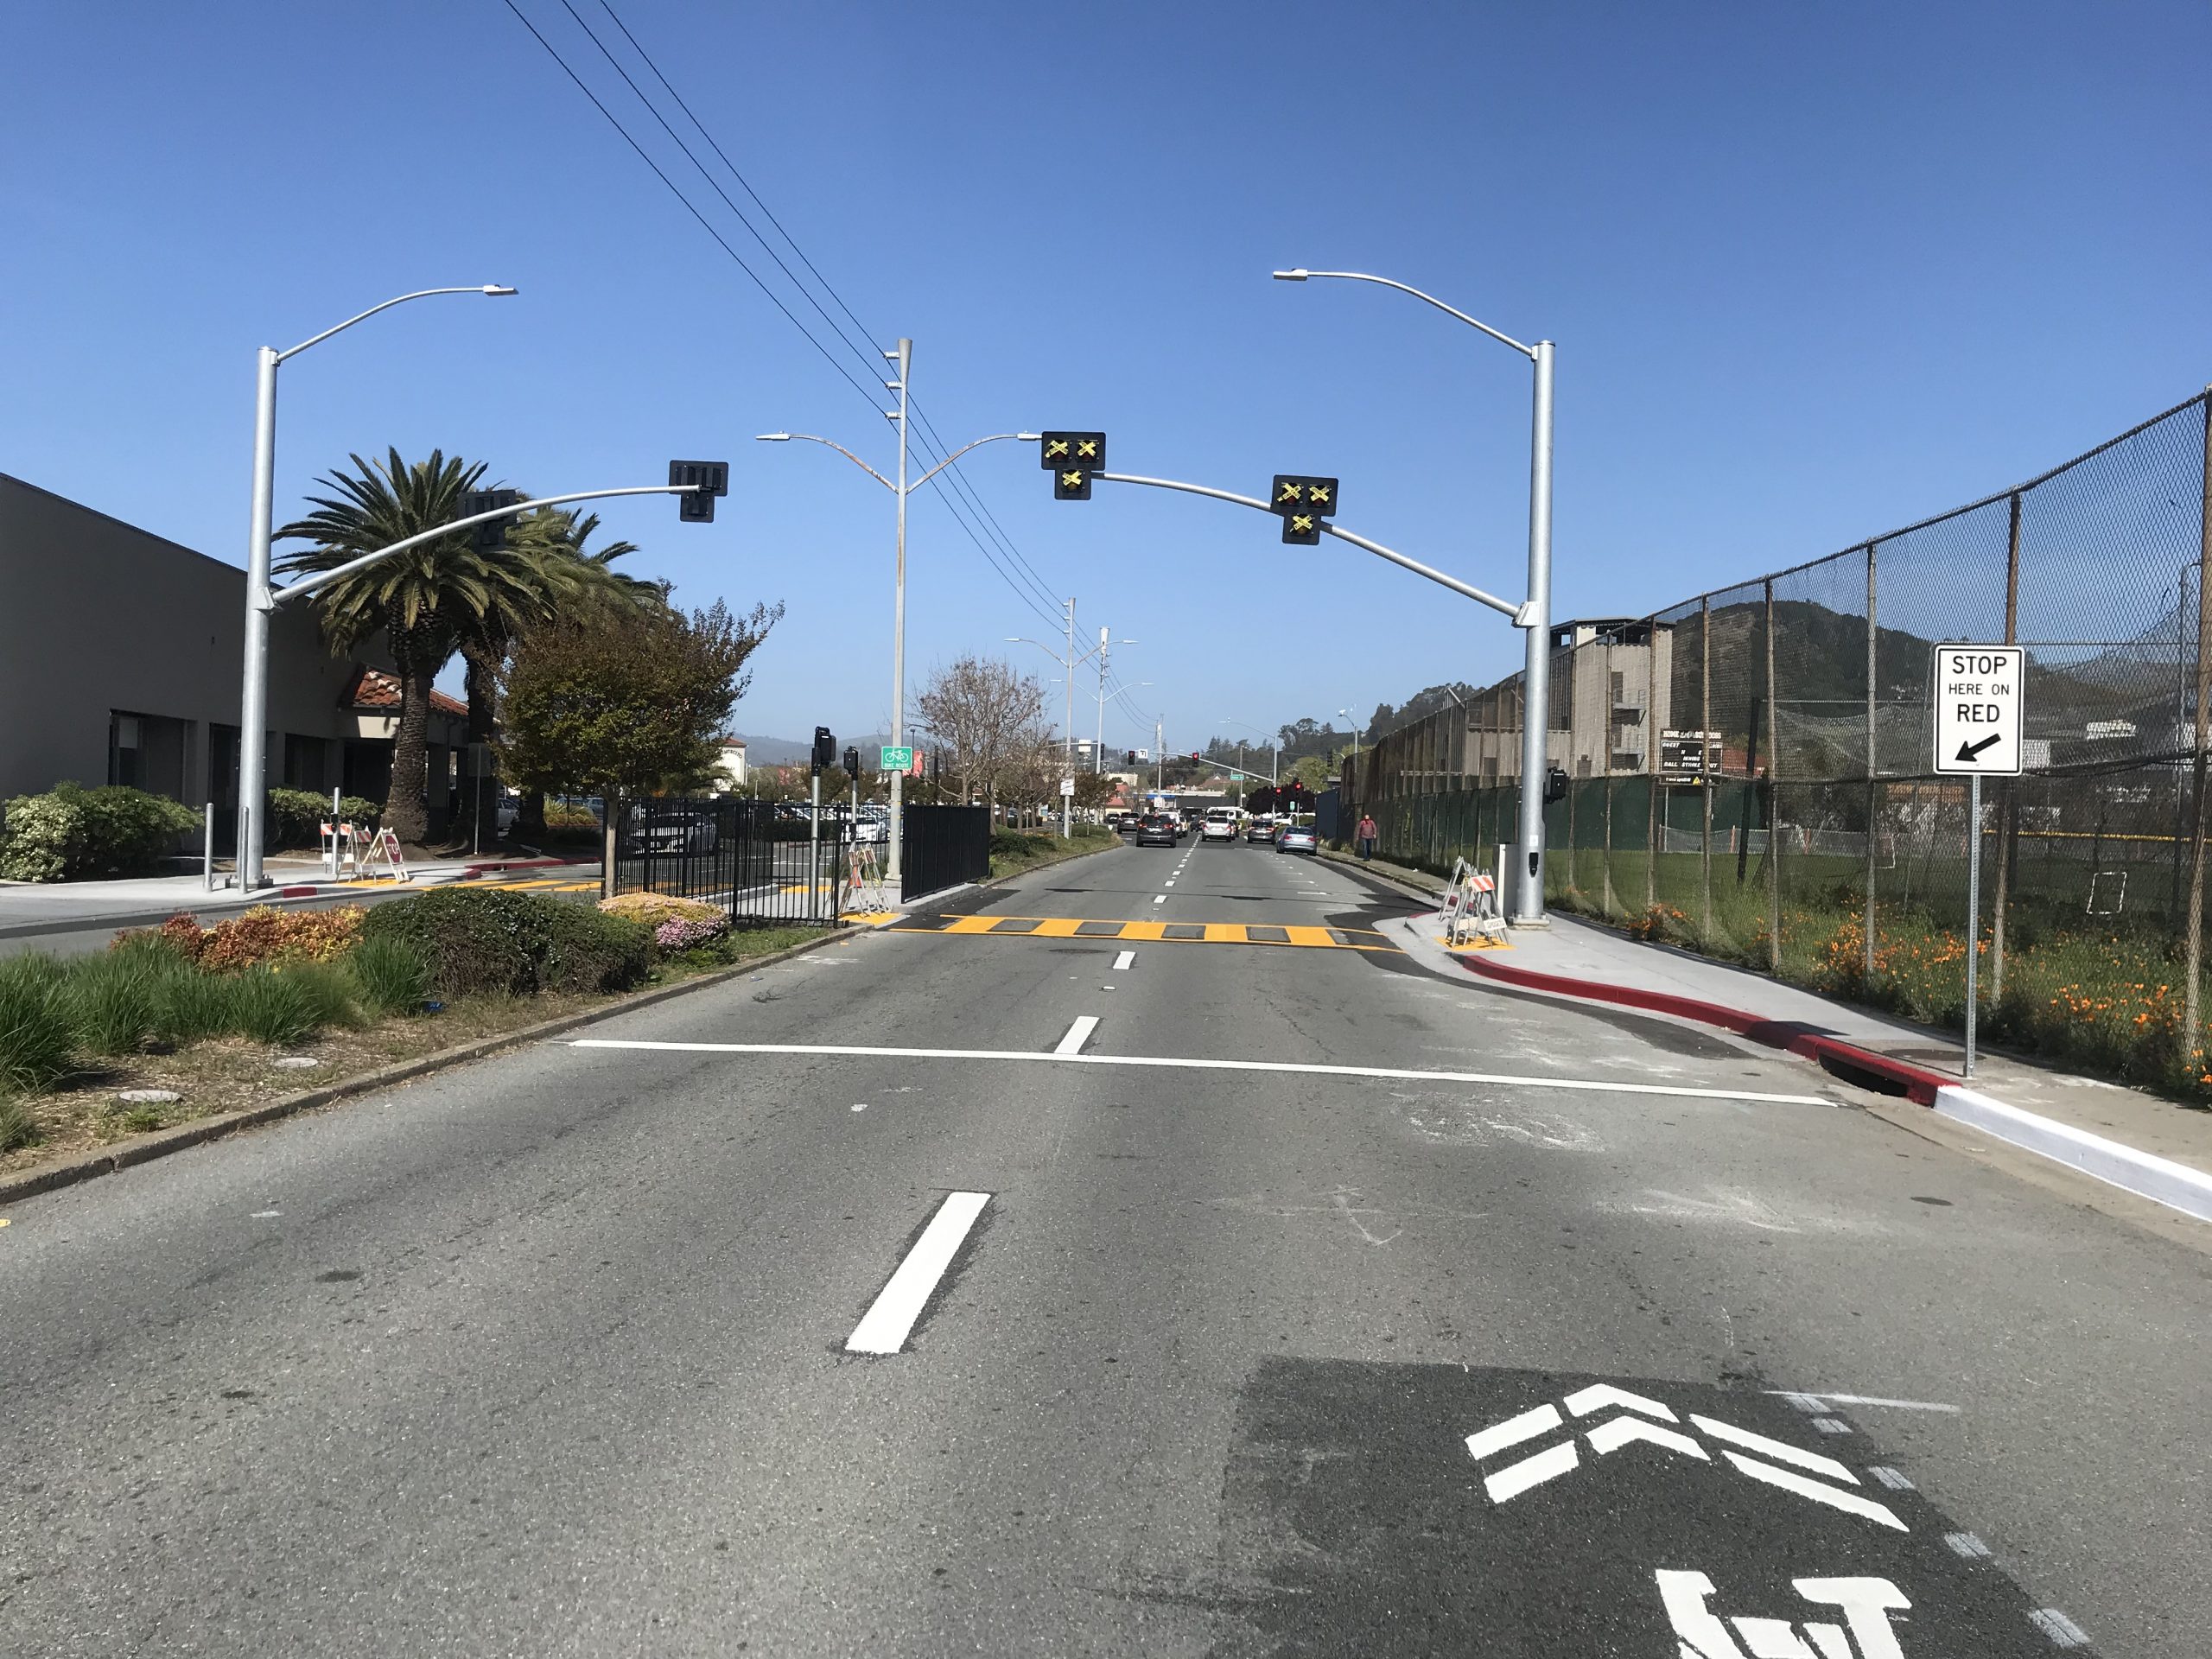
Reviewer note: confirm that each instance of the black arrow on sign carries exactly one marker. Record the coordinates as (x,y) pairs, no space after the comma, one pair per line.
(1968,751)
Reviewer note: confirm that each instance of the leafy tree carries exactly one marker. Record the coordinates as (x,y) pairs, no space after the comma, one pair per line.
(1093,790)
(552,575)
(421,602)
(625,702)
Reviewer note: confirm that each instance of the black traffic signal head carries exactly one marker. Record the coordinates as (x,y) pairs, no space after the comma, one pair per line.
(709,479)
(493,533)
(1554,785)
(1129,757)
(1304,502)
(1072,458)
(853,763)
(825,750)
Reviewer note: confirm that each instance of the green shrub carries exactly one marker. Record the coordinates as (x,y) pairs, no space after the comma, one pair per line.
(295,816)
(17,1127)
(1011,843)
(37,1035)
(490,941)
(589,950)
(72,832)
(392,975)
(477,940)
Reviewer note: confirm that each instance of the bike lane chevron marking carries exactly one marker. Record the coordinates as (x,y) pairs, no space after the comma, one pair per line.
(1605,1516)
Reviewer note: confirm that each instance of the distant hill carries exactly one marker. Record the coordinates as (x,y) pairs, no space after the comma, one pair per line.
(774,751)
(796,751)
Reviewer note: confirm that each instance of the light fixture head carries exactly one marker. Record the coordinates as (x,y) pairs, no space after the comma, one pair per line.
(1029,437)
(497,291)
(773,437)
(1297,275)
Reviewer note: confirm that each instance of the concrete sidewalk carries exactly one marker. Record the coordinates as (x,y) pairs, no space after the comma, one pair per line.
(35,907)
(2091,1125)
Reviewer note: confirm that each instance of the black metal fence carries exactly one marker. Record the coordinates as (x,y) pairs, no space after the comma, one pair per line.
(943,847)
(767,866)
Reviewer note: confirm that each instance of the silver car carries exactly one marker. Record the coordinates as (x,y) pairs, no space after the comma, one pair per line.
(1297,838)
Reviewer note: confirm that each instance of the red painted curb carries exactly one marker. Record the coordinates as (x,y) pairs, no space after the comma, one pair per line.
(525,864)
(297,893)
(1920,1085)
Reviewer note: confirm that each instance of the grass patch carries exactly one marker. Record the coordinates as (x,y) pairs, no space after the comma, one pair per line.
(17,1127)
(1014,851)
(38,1035)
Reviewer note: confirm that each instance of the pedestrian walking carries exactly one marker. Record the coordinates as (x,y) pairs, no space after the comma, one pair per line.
(1366,833)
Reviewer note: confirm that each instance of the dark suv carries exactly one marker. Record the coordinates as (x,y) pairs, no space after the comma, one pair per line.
(1157,829)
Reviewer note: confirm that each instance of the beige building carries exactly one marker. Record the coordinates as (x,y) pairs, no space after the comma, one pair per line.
(1611,684)
(120,661)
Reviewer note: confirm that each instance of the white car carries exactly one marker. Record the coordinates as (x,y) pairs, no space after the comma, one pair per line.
(1219,826)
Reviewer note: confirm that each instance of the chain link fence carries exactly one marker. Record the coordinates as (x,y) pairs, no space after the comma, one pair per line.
(1751,772)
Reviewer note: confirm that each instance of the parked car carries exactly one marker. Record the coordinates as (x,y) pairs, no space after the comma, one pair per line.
(1298,838)
(670,832)
(1263,828)
(1157,829)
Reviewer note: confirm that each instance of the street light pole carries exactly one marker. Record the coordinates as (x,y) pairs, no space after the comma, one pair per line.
(1535,616)
(904,357)
(895,846)
(1275,758)
(1069,663)
(253,700)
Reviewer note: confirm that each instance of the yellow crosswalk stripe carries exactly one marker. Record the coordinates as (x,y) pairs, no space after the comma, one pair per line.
(1074,927)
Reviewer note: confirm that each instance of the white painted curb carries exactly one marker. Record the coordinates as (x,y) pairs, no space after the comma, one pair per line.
(2177,1186)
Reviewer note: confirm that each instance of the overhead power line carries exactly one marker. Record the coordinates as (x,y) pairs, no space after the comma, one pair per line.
(967,507)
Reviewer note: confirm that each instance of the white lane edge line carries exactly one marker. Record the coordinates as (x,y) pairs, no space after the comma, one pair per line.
(1823,1400)
(1078,1034)
(1160,899)
(889,1317)
(858,1051)
(1126,960)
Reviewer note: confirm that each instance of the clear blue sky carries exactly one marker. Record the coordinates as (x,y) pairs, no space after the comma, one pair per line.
(1814,272)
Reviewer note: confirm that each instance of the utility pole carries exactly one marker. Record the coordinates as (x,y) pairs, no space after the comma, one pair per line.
(1098,743)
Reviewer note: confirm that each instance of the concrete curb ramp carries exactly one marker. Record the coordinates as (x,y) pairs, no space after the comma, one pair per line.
(1918,1085)
(2160,1180)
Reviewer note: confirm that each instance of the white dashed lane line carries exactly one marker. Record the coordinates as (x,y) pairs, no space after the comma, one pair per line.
(890,1319)
(1078,1034)
(1123,962)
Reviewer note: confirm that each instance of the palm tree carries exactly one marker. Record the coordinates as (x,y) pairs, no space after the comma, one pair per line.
(550,574)
(423,602)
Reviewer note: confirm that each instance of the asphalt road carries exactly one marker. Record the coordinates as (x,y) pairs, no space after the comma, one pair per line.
(877,1303)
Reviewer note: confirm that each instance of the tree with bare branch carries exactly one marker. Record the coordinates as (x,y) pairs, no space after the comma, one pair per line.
(982,717)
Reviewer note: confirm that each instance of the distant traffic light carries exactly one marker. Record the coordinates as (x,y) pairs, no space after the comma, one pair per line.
(1072,458)
(1129,758)
(493,533)
(853,763)
(825,750)
(1303,503)
(696,506)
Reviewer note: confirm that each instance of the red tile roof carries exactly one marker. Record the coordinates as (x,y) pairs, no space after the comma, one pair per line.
(373,689)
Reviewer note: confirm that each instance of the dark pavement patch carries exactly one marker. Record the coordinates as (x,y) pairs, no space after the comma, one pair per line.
(1604,1516)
